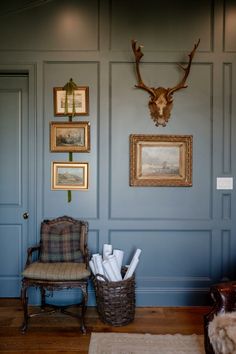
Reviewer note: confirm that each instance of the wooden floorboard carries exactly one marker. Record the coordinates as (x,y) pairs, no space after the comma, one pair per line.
(57,333)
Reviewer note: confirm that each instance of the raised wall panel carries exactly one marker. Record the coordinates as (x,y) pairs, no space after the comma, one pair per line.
(10,157)
(93,241)
(154,26)
(192,114)
(52,25)
(225,259)
(85,202)
(227,117)
(226,206)
(230,26)
(171,253)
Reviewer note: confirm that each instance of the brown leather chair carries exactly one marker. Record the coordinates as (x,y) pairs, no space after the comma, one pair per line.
(61,263)
(224,298)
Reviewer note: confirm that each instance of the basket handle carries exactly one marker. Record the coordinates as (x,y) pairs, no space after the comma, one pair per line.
(97,276)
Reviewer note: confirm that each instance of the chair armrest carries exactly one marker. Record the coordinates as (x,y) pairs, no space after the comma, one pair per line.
(30,251)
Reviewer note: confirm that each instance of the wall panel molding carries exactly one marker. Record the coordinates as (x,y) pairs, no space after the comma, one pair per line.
(227,117)
(192,109)
(226,206)
(71,25)
(84,203)
(142,25)
(225,255)
(229,44)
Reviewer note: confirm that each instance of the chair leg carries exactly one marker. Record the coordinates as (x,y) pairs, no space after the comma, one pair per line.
(84,289)
(24,300)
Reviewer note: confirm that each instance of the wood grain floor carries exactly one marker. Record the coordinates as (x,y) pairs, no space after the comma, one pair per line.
(58,333)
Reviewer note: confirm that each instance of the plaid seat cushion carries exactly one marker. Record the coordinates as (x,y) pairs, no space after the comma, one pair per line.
(60,242)
(59,271)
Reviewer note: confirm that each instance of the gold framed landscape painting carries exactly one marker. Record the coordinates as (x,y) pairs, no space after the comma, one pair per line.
(160,160)
(80,100)
(70,136)
(69,175)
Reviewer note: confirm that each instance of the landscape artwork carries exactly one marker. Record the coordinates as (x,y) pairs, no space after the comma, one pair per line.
(70,136)
(69,175)
(160,160)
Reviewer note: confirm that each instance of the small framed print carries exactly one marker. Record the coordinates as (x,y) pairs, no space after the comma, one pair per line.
(80,98)
(70,136)
(161,160)
(69,175)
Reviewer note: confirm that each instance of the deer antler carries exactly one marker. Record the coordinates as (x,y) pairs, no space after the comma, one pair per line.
(181,84)
(161,100)
(138,55)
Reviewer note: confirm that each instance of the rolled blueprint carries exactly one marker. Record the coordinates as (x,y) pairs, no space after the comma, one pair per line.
(119,257)
(131,268)
(108,270)
(91,265)
(115,267)
(97,260)
(133,264)
(107,250)
(137,253)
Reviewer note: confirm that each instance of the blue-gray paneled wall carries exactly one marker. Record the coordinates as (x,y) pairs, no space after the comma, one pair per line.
(187,234)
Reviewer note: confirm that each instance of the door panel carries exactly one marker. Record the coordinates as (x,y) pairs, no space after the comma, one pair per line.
(13,180)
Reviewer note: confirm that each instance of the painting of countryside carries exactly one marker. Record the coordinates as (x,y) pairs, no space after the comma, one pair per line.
(159,161)
(70,137)
(70,176)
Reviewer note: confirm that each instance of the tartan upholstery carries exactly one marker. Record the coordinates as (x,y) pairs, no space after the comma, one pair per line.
(60,241)
(59,271)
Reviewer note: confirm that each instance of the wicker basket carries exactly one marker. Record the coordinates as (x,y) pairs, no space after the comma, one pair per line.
(115,300)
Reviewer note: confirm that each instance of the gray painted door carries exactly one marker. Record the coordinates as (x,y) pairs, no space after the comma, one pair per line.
(14,176)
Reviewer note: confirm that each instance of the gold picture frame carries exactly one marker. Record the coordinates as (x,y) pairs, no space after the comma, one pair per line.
(160,160)
(81,100)
(69,175)
(70,136)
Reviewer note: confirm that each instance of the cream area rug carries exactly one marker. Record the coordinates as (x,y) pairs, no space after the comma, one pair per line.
(124,343)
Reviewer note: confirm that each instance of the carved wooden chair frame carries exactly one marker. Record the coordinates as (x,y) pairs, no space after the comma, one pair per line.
(46,285)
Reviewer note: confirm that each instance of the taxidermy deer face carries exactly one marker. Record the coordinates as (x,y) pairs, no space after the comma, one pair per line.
(161,99)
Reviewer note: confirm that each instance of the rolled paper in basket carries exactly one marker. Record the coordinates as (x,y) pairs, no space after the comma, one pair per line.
(131,268)
(91,265)
(108,270)
(119,257)
(107,250)
(97,259)
(133,264)
(137,253)
(114,266)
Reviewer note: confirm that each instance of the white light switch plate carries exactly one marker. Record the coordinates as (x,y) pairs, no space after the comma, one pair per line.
(224,183)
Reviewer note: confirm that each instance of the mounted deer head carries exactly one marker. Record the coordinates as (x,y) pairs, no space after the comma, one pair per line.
(161,100)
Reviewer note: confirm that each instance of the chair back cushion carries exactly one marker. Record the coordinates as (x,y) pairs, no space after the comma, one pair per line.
(60,240)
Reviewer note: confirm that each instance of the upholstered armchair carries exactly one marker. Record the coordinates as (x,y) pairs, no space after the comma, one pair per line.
(59,262)
(224,301)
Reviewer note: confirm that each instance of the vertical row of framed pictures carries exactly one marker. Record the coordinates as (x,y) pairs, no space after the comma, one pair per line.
(71,136)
